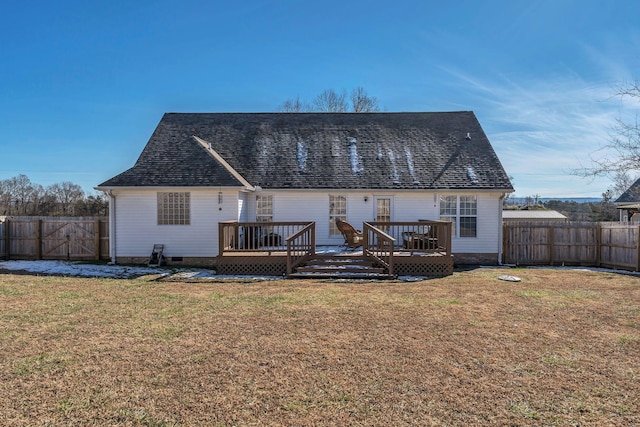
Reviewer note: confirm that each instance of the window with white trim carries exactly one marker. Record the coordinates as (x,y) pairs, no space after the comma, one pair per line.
(383,209)
(264,208)
(462,212)
(468,218)
(174,208)
(337,210)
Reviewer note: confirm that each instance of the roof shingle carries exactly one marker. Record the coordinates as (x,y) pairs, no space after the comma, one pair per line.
(320,150)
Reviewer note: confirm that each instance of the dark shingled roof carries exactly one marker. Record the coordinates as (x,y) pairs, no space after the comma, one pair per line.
(320,150)
(632,195)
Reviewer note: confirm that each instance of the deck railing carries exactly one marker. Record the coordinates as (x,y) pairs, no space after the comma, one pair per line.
(234,236)
(378,245)
(301,246)
(418,236)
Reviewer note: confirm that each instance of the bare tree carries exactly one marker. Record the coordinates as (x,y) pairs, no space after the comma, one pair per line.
(66,194)
(20,196)
(624,144)
(363,103)
(622,180)
(295,105)
(330,101)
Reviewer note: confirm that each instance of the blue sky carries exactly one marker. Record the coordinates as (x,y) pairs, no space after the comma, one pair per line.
(84,83)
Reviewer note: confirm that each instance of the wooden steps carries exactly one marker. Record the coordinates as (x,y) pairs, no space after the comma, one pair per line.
(340,267)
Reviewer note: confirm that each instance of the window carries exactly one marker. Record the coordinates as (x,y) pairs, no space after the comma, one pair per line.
(174,208)
(264,208)
(383,209)
(337,210)
(468,216)
(462,211)
(449,210)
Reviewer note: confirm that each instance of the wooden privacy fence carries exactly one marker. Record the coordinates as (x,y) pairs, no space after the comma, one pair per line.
(54,238)
(612,245)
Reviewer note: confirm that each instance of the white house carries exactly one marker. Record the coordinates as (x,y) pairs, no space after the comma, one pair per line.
(200,169)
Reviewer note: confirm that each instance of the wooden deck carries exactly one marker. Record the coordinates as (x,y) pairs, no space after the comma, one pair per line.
(422,248)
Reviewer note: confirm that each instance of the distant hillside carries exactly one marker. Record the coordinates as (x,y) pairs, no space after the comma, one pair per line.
(523,200)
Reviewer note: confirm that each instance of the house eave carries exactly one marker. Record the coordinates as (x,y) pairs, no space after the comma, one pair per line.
(172,187)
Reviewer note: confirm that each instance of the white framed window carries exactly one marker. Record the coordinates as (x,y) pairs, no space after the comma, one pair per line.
(462,212)
(174,208)
(264,208)
(337,210)
(383,209)
(468,217)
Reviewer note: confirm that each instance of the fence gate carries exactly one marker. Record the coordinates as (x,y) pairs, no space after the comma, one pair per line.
(70,240)
(56,238)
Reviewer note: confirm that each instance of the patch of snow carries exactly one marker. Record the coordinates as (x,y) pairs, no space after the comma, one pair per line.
(302,156)
(394,175)
(78,269)
(409,157)
(356,159)
(508,278)
(471,174)
(335,148)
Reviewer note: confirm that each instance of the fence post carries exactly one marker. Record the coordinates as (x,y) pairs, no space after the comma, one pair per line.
(551,236)
(7,239)
(638,250)
(96,239)
(38,242)
(503,260)
(598,244)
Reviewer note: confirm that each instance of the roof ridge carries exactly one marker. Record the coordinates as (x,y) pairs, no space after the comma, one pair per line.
(207,146)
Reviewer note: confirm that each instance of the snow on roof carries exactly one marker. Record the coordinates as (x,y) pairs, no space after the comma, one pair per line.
(409,157)
(471,174)
(392,158)
(302,156)
(356,159)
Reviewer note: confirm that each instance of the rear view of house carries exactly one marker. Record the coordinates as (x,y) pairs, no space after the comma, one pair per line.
(199,170)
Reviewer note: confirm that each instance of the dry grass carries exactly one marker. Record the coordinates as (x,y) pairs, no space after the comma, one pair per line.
(558,348)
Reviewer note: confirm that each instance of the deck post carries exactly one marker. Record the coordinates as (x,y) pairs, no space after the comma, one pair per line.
(220,238)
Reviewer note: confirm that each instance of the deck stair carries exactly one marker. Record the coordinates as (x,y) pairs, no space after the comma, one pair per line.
(340,267)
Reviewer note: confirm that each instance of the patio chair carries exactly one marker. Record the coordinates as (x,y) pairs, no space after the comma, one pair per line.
(352,237)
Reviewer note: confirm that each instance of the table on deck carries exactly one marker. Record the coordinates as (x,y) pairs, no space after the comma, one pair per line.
(418,241)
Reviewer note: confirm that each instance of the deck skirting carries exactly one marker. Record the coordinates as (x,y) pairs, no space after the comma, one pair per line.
(252,265)
(433,265)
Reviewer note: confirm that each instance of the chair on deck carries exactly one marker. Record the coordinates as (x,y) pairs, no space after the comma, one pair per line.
(352,237)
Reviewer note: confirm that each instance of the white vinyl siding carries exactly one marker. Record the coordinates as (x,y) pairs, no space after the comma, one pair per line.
(137,229)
